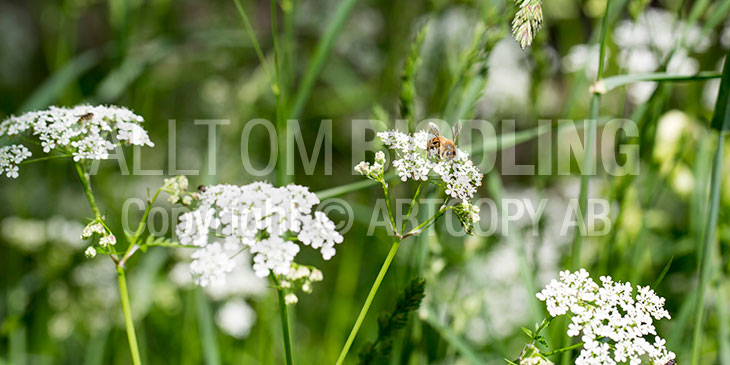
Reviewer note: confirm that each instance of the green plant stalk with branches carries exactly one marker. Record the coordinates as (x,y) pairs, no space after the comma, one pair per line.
(399,235)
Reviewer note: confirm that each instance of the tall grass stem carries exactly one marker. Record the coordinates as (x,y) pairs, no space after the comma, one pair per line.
(368,301)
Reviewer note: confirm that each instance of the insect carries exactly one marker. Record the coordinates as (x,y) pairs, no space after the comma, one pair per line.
(440,146)
(671,362)
(86,117)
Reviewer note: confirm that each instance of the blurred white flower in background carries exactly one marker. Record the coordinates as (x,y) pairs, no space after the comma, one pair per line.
(508,80)
(648,41)
(100,297)
(645,44)
(479,313)
(712,88)
(725,35)
(30,234)
(236,318)
(583,56)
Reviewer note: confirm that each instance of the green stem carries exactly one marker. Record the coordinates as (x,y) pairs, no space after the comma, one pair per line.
(44,158)
(390,210)
(128,322)
(368,301)
(84,176)
(567,348)
(586,171)
(427,223)
(252,37)
(410,208)
(613,82)
(705,266)
(284,314)
(143,222)
(283,177)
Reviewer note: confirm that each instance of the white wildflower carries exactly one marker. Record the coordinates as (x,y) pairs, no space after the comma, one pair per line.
(319,232)
(108,240)
(10,157)
(459,174)
(210,264)
(86,132)
(608,312)
(290,299)
(266,220)
(90,252)
(91,228)
(177,188)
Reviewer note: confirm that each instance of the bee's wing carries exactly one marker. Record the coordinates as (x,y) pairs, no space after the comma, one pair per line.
(435,130)
(455,131)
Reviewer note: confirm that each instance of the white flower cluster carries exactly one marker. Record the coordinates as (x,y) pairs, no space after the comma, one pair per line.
(459,175)
(86,132)
(106,238)
(10,157)
(609,313)
(260,217)
(374,171)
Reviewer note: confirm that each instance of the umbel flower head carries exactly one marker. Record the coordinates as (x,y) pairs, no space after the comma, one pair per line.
(85,132)
(613,323)
(268,221)
(458,176)
(527,22)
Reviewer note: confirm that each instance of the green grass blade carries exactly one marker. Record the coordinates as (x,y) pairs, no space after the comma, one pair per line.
(664,272)
(586,170)
(721,118)
(119,80)
(208,341)
(324,47)
(613,82)
(48,92)
(252,37)
(454,340)
(720,122)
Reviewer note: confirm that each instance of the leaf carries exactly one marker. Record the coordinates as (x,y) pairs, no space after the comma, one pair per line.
(721,119)
(527,332)
(378,352)
(663,273)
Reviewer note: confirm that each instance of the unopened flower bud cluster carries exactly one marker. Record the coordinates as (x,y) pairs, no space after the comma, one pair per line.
(97,228)
(299,277)
(177,188)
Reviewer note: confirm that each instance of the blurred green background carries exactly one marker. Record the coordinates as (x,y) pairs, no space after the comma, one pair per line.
(187,60)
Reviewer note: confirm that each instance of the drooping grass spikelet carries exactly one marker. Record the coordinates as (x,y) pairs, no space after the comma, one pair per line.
(527,22)
(378,352)
(408,78)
